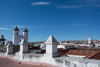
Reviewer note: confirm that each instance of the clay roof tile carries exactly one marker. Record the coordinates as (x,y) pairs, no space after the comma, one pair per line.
(16,29)
(25,30)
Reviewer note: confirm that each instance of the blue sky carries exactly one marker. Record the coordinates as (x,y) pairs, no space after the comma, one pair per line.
(65,19)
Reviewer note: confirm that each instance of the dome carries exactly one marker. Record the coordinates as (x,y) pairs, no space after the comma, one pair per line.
(2,36)
(25,30)
(16,29)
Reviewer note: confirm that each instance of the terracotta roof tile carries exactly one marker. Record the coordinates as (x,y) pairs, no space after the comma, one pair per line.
(25,30)
(16,29)
(2,39)
(87,53)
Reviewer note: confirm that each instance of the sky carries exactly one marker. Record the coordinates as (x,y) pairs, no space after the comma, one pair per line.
(64,19)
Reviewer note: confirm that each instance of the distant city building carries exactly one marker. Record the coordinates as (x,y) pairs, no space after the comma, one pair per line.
(89,40)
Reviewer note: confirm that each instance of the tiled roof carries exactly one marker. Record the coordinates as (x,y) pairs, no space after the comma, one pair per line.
(2,39)
(16,29)
(96,56)
(90,54)
(25,30)
(62,51)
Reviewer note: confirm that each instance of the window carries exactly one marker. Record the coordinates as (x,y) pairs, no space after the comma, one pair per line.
(86,51)
(80,51)
(92,52)
(26,34)
(3,43)
(17,34)
(74,52)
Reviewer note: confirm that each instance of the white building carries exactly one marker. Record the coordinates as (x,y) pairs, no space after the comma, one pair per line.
(89,40)
(17,38)
(2,40)
(65,46)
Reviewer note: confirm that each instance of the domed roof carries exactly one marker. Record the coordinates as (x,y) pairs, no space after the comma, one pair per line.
(2,35)
(16,29)
(25,30)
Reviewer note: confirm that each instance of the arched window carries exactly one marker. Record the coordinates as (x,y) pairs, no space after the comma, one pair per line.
(17,34)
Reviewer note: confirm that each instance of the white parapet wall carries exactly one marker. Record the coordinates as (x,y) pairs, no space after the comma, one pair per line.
(1,48)
(76,56)
(58,61)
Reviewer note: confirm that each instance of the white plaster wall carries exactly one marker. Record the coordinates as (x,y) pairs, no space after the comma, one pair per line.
(60,61)
(76,56)
(25,35)
(23,48)
(89,40)
(9,50)
(61,46)
(54,48)
(1,48)
(15,39)
(49,49)
(46,58)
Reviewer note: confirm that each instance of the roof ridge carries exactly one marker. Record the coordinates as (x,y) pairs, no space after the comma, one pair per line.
(92,55)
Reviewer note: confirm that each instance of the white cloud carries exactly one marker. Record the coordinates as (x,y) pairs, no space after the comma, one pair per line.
(73,6)
(21,26)
(4,29)
(73,24)
(97,5)
(40,3)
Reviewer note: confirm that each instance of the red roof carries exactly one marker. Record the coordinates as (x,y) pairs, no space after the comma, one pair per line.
(2,39)
(90,54)
(25,30)
(16,29)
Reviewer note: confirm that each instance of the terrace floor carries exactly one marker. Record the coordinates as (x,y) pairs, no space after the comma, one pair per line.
(6,62)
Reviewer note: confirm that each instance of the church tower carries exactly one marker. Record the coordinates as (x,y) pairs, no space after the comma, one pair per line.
(89,40)
(25,34)
(15,36)
(2,36)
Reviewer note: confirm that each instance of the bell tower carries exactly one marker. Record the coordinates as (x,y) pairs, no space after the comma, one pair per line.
(25,34)
(15,36)
(89,40)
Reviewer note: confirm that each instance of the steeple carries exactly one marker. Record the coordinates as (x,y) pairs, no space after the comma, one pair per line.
(89,40)
(16,29)
(25,30)
(51,39)
(2,36)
